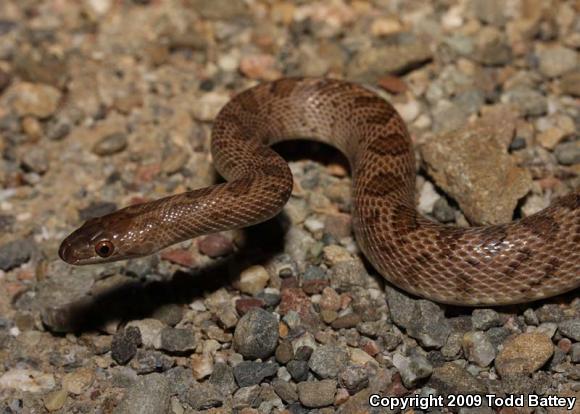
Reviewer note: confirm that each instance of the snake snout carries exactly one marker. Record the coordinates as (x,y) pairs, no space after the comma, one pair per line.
(65,252)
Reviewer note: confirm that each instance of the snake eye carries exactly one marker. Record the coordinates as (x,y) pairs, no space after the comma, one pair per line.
(104,248)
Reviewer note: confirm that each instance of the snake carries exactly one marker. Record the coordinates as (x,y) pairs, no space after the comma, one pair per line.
(528,259)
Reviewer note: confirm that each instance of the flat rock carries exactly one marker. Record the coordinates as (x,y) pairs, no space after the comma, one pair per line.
(472,165)
(524,354)
(371,65)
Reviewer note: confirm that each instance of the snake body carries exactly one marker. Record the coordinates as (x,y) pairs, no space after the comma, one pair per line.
(533,258)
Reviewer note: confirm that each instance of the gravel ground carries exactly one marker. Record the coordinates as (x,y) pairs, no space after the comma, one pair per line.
(105,103)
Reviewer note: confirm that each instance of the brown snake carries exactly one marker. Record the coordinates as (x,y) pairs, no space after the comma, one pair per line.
(533,258)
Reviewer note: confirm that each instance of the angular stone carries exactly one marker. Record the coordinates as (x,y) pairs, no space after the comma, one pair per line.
(472,164)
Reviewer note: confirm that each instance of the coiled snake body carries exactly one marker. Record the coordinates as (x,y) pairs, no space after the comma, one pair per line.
(529,259)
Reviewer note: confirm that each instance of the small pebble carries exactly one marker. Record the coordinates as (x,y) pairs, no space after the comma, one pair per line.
(517,144)
(412,369)
(285,390)
(422,319)
(243,305)
(215,245)
(354,379)
(111,144)
(203,396)
(201,365)
(256,334)
(550,312)
(150,330)
(303,353)
(570,84)
(347,321)
(78,381)
(146,362)
(55,400)
(442,211)
(568,153)
(170,314)
(530,317)
(557,61)
(175,161)
(249,373)
(284,352)
(315,394)
(478,349)
(328,360)
(483,319)
(298,370)
(575,352)
(178,340)
(253,280)
(570,328)
(149,394)
(35,99)
(125,343)
(4,80)
(223,378)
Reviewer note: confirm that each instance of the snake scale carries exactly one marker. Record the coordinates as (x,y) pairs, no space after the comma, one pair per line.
(533,258)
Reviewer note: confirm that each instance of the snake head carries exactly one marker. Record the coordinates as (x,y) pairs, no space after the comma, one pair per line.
(105,239)
(90,243)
